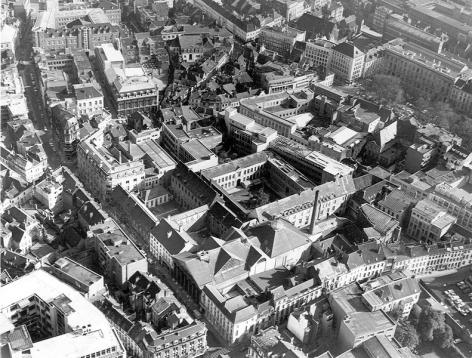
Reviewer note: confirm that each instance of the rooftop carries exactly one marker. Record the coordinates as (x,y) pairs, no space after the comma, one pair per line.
(365,323)
(80,313)
(77,271)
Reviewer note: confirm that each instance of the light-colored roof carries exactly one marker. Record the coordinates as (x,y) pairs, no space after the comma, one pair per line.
(80,313)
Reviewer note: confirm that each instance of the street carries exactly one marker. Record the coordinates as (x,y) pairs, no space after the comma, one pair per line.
(37,112)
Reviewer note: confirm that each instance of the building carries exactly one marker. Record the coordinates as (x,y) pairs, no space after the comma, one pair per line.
(380,346)
(303,326)
(290,9)
(319,52)
(133,213)
(89,99)
(189,189)
(65,322)
(49,193)
(87,282)
(393,292)
(437,17)
(357,327)
(456,200)
(317,166)
(112,11)
(190,143)
(8,40)
(281,40)
(131,88)
(77,35)
(423,72)
(270,342)
(101,170)
(248,136)
(275,110)
(30,167)
(244,28)
(18,230)
(428,222)
(117,256)
(347,62)
(461,92)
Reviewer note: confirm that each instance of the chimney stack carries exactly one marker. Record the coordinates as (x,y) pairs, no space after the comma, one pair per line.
(314,215)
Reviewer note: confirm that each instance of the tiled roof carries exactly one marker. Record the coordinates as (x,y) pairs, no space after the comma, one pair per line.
(379,220)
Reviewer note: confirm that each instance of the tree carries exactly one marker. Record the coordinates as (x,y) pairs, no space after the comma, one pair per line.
(407,336)
(387,88)
(262,197)
(444,337)
(415,314)
(430,320)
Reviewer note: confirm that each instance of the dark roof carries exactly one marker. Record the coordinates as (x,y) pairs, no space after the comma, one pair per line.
(87,91)
(194,183)
(170,238)
(348,49)
(314,26)
(107,5)
(136,212)
(91,214)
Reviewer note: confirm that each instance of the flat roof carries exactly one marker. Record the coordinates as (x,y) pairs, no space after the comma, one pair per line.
(80,313)
(234,165)
(365,323)
(77,271)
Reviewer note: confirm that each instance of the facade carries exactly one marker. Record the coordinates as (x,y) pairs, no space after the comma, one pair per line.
(30,167)
(281,40)
(84,37)
(428,222)
(347,62)
(247,135)
(317,166)
(49,192)
(289,105)
(89,283)
(131,88)
(101,171)
(360,326)
(89,99)
(319,52)
(118,257)
(112,11)
(457,201)
(421,70)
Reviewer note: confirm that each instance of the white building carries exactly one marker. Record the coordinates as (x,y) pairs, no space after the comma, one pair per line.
(347,62)
(429,222)
(101,171)
(75,327)
(320,52)
(89,99)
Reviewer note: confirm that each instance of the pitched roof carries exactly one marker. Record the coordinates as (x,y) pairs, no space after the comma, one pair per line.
(348,49)
(171,238)
(314,25)
(379,220)
(277,237)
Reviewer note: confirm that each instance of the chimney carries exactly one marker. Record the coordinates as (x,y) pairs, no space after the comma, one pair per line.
(315,212)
